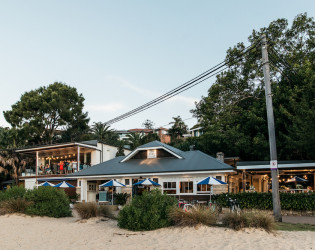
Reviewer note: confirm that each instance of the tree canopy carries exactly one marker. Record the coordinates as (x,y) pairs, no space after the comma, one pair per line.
(233,114)
(178,129)
(43,112)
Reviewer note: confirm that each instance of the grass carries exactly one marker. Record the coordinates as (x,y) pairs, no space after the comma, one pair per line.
(283,226)
(87,210)
(198,215)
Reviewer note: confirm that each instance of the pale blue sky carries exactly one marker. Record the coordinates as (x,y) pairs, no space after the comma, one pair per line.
(121,54)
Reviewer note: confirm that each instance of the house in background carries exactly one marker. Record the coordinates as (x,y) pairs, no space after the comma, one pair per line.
(81,155)
(177,172)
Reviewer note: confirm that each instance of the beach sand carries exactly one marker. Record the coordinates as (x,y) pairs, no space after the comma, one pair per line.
(25,232)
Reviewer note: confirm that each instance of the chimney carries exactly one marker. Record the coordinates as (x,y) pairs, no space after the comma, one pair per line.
(220,156)
(191,147)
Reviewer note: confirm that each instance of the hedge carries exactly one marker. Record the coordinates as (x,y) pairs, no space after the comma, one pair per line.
(263,201)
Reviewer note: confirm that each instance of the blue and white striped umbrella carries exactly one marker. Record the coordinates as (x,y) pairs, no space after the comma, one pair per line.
(211,181)
(147,182)
(112,183)
(46,184)
(64,184)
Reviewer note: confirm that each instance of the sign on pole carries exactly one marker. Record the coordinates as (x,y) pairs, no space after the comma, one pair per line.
(274,165)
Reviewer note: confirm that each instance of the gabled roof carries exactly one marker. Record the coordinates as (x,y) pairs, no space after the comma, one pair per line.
(155,145)
(193,161)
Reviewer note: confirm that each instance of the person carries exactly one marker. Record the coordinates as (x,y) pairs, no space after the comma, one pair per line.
(61,164)
(70,167)
(74,166)
(55,168)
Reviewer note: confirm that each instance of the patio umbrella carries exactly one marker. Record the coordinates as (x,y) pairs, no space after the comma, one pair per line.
(46,184)
(296,179)
(112,183)
(147,182)
(211,181)
(64,184)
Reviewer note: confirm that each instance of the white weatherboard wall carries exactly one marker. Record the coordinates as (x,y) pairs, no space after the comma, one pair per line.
(30,183)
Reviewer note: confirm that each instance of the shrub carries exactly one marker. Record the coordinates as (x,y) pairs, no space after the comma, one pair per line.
(256,219)
(106,211)
(198,215)
(13,193)
(18,205)
(48,201)
(147,212)
(121,198)
(86,210)
(263,201)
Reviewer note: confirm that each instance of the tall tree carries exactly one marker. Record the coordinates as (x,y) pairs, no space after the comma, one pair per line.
(233,114)
(134,140)
(103,133)
(178,129)
(148,124)
(40,112)
(12,165)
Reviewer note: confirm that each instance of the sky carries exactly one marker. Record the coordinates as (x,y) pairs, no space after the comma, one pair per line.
(122,54)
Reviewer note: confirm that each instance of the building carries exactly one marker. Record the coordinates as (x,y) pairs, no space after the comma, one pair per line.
(78,155)
(177,171)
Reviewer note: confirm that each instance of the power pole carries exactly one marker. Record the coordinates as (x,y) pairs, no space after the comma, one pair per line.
(271,132)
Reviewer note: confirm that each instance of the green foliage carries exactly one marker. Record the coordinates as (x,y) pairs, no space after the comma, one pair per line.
(40,112)
(12,193)
(48,201)
(199,215)
(148,124)
(178,129)
(147,212)
(121,198)
(233,114)
(134,140)
(263,201)
(255,219)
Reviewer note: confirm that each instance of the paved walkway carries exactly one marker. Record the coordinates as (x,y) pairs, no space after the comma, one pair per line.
(299,219)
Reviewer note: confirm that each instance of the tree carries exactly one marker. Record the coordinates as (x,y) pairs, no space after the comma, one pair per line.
(40,112)
(233,114)
(178,129)
(120,151)
(100,130)
(134,140)
(148,124)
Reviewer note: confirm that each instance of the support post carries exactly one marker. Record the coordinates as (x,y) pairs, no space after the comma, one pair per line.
(36,170)
(78,159)
(244,181)
(271,132)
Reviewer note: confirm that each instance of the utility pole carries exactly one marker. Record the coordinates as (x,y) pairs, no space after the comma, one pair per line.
(271,132)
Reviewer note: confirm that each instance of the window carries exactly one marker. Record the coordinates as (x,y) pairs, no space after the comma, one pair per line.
(203,188)
(219,177)
(169,187)
(127,182)
(156,180)
(92,187)
(186,187)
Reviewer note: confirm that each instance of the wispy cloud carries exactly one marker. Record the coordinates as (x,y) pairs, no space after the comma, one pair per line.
(108,108)
(149,93)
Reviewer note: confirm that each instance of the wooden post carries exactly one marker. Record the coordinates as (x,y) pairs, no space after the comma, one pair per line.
(78,159)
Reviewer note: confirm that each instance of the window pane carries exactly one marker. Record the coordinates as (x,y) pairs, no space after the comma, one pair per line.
(156,180)
(190,188)
(218,177)
(165,184)
(173,184)
(127,182)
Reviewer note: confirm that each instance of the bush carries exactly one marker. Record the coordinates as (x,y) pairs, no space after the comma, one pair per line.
(198,215)
(86,210)
(121,198)
(13,193)
(106,211)
(147,212)
(48,201)
(256,219)
(18,205)
(263,201)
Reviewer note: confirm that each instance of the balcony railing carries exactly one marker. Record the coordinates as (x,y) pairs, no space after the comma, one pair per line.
(53,171)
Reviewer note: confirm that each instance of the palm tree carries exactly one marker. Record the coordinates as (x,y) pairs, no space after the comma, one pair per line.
(12,165)
(134,140)
(101,130)
(178,129)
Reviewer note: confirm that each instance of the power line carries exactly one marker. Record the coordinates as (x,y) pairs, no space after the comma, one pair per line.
(193,82)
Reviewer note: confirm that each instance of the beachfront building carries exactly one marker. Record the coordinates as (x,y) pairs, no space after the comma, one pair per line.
(177,172)
(53,162)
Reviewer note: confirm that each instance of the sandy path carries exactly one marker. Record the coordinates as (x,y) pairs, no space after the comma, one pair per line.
(24,232)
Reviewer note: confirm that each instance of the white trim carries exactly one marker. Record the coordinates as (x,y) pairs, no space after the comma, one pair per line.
(142,149)
(152,174)
(56,146)
(292,165)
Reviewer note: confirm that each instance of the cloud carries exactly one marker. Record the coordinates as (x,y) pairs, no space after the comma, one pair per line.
(149,93)
(107,108)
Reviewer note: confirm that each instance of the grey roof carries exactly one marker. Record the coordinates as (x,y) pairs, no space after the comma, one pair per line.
(91,142)
(154,144)
(192,161)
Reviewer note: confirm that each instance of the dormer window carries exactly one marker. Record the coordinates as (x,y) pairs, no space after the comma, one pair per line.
(151,154)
